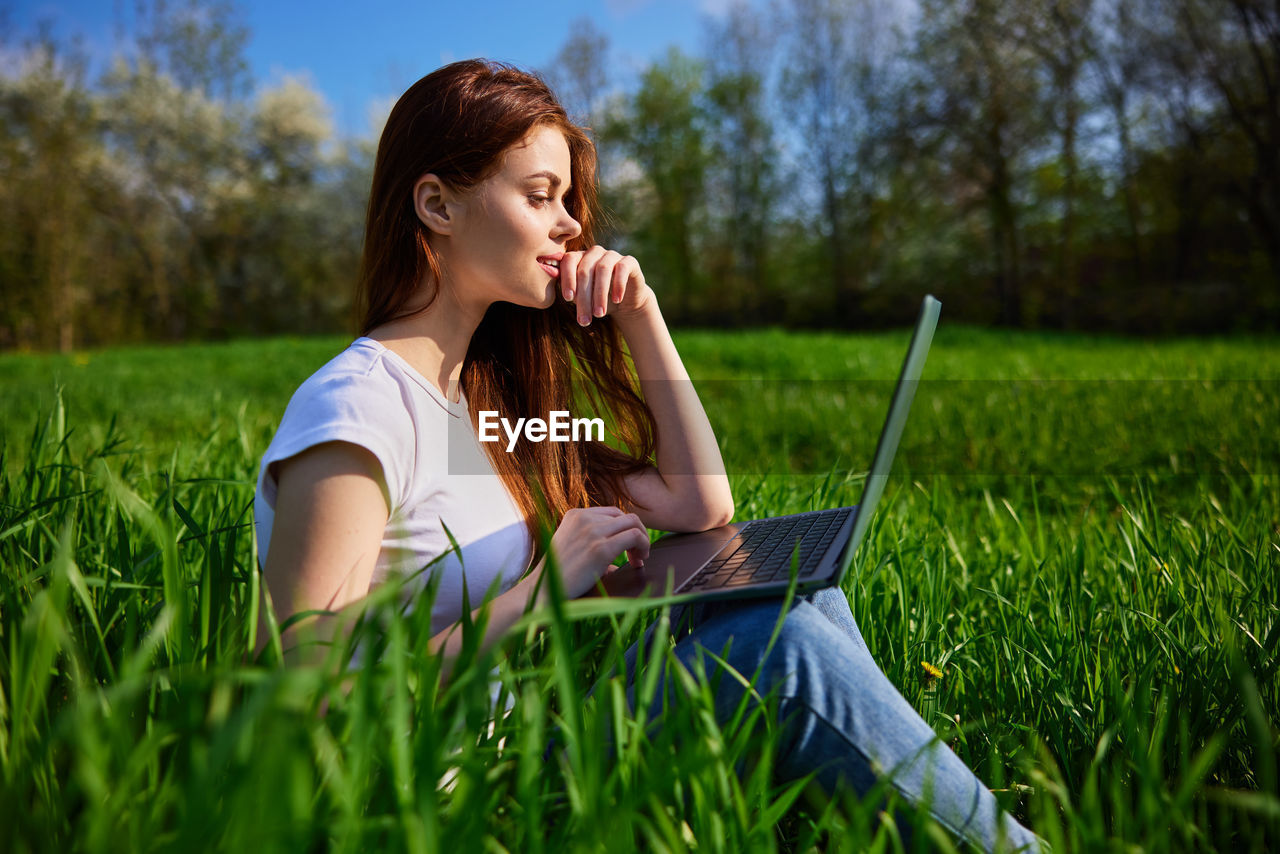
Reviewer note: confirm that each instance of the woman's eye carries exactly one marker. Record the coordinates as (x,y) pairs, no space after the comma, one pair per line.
(539,200)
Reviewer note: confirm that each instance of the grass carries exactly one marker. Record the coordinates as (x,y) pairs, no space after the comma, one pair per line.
(1082,535)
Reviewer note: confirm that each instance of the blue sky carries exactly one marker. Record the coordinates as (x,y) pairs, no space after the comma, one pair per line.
(361,55)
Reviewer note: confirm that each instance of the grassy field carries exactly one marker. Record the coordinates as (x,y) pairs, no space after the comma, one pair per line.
(1082,534)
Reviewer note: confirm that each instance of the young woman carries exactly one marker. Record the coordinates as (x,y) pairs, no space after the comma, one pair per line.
(482,291)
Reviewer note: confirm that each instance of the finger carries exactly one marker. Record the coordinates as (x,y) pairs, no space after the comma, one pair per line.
(582,301)
(628,523)
(619,283)
(642,550)
(569,274)
(585,283)
(603,275)
(608,524)
(636,278)
(637,554)
(628,542)
(600,296)
(579,521)
(602,509)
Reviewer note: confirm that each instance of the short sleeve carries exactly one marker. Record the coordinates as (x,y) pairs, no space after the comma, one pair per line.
(350,407)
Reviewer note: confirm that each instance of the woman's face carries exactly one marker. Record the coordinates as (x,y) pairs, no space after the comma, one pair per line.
(509,231)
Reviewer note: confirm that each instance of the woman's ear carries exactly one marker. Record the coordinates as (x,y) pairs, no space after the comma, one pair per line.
(432,201)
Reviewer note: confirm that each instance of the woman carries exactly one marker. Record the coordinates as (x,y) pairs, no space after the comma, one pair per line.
(482,291)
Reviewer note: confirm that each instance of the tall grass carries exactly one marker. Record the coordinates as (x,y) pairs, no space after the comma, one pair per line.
(1106,629)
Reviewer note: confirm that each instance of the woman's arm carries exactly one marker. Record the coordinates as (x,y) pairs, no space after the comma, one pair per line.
(585,545)
(688,490)
(331,510)
(329,516)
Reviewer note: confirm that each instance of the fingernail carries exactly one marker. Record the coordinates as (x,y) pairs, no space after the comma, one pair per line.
(568,293)
(584,321)
(599,311)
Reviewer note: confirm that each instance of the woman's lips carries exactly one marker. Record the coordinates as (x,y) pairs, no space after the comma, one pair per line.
(551,266)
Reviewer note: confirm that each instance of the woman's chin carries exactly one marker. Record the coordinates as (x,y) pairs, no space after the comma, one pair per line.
(549,298)
(532,299)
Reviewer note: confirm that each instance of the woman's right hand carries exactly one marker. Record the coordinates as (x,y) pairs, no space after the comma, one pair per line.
(587,542)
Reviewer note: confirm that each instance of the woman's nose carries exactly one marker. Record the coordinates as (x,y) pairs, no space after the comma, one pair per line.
(568,227)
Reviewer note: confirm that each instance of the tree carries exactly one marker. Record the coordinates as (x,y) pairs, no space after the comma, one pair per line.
(291,242)
(980,104)
(1063,40)
(180,156)
(579,74)
(180,134)
(742,169)
(838,67)
(662,132)
(1234,47)
(1120,57)
(199,44)
(49,151)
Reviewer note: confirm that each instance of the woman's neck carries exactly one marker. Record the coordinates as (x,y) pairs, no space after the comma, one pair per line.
(434,341)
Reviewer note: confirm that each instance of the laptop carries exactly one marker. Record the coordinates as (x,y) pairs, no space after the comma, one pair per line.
(755,558)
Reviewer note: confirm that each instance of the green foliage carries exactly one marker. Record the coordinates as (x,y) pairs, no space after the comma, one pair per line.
(158,201)
(1072,164)
(664,132)
(1107,640)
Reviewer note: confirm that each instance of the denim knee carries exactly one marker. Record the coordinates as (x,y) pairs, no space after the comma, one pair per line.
(842,718)
(793,653)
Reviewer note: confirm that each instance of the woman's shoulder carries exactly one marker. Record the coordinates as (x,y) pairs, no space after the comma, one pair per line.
(368,391)
(367,369)
(363,397)
(362,364)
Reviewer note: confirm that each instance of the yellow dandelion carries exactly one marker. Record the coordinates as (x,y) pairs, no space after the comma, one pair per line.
(931,671)
(1176,671)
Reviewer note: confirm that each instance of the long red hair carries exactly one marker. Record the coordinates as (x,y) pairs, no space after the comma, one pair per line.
(456,122)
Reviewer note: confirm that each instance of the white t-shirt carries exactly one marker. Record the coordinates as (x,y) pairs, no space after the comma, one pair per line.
(436,473)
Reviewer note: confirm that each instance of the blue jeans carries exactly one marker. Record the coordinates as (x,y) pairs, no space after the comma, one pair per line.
(843,718)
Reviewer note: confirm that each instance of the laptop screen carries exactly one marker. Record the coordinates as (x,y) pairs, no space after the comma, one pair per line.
(891,433)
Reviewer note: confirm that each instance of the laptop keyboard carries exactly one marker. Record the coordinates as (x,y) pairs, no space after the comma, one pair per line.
(761,551)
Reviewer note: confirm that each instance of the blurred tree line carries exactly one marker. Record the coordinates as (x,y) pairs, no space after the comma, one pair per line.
(1076,164)
(167,200)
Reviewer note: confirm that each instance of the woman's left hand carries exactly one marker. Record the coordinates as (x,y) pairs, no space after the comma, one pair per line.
(601,281)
